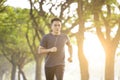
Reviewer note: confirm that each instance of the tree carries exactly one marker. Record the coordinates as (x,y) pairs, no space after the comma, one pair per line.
(12,41)
(108,23)
(80,39)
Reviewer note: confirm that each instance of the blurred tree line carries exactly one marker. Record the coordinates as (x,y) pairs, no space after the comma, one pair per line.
(22,29)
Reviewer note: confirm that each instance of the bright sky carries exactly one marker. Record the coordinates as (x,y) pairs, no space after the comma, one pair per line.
(18,3)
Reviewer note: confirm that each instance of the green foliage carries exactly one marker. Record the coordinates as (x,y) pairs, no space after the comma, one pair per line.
(14,22)
(2,7)
(109,2)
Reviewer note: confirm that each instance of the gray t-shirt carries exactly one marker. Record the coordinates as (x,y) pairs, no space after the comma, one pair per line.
(59,41)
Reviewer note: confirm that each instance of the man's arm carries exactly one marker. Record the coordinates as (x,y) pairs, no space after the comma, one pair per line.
(70,50)
(42,50)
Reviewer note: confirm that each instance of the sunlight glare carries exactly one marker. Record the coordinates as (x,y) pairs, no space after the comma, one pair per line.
(95,56)
(18,3)
(92,48)
(75,29)
(118,1)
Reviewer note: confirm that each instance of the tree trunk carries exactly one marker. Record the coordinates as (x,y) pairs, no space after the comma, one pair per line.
(21,72)
(82,59)
(109,64)
(1,75)
(19,75)
(80,39)
(24,78)
(13,71)
(38,67)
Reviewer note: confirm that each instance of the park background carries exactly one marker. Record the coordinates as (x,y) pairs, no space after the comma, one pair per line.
(92,25)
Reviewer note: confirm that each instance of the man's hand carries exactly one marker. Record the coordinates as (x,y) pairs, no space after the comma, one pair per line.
(53,49)
(70,59)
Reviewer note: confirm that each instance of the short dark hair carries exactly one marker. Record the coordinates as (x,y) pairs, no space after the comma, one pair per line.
(55,19)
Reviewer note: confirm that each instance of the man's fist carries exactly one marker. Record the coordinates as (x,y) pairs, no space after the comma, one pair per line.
(53,49)
(70,59)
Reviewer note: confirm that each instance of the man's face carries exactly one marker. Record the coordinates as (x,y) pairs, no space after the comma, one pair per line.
(56,26)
